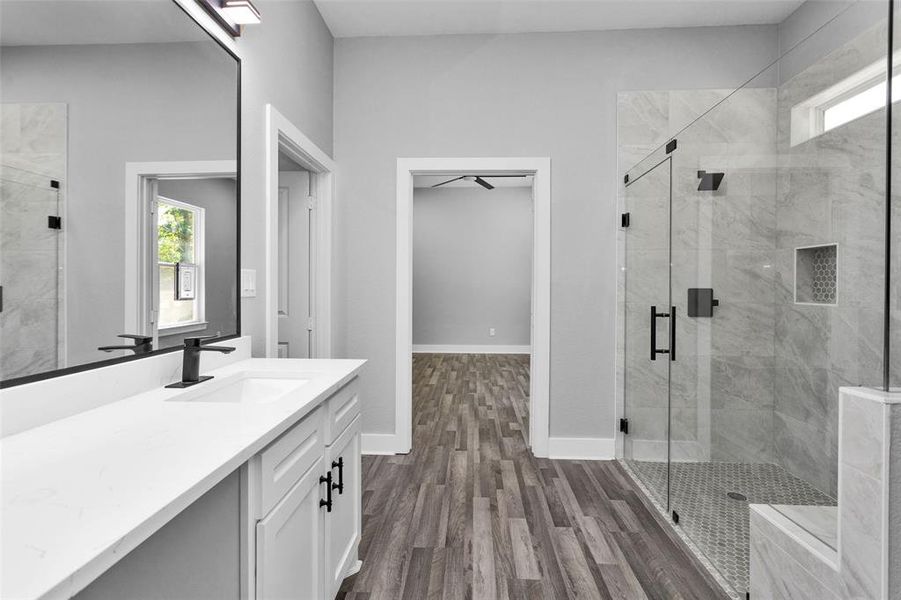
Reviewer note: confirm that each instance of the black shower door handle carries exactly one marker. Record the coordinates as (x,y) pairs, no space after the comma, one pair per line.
(672,332)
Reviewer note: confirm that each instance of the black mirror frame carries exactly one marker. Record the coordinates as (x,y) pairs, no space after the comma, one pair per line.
(7,383)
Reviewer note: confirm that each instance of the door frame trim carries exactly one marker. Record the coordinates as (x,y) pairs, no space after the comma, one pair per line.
(539,380)
(284,136)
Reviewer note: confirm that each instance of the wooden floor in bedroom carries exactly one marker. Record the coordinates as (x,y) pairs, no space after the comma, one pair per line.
(470,513)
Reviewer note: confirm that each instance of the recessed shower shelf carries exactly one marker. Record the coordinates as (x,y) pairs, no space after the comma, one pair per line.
(816,275)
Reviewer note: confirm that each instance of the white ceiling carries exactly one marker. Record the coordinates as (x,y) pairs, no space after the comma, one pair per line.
(355,18)
(427,181)
(58,22)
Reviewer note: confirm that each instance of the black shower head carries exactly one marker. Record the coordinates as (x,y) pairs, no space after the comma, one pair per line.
(710,182)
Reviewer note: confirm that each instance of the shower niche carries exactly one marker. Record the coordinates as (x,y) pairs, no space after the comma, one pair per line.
(816,275)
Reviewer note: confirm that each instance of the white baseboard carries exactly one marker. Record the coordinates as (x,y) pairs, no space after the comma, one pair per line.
(582,448)
(382,443)
(461,349)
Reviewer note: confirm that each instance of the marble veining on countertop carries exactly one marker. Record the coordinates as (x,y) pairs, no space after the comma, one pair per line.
(81,492)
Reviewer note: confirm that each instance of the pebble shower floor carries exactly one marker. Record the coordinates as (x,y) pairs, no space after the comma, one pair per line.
(717,523)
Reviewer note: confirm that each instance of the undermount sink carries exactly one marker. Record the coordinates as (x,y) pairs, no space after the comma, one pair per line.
(248,388)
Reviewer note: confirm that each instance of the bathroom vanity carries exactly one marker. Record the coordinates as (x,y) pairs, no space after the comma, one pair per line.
(243,486)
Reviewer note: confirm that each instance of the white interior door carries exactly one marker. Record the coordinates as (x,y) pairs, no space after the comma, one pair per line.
(295,327)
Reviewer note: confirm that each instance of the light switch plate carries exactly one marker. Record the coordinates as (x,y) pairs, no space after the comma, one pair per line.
(248,283)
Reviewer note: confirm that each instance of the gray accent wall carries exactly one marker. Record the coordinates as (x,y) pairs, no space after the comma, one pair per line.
(472,266)
(507,95)
(287,62)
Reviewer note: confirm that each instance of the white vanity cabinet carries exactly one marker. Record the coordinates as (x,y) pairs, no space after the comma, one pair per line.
(302,537)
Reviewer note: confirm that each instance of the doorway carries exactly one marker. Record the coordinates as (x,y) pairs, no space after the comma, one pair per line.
(296,197)
(300,181)
(539,328)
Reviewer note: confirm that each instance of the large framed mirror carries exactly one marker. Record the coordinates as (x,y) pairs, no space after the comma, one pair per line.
(119,184)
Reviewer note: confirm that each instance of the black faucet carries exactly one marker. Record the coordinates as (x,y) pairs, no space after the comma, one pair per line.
(190,366)
(143,344)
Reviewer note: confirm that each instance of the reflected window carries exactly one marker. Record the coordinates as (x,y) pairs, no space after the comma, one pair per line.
(179,236)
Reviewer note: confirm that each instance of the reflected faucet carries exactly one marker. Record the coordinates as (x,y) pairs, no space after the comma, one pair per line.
(190,366)
(143,344)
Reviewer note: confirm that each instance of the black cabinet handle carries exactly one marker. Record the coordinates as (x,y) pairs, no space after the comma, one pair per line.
(327,503)
(654,316)
(339,464)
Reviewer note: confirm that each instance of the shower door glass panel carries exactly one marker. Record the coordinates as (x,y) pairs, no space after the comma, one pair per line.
(30,275)
(646,282)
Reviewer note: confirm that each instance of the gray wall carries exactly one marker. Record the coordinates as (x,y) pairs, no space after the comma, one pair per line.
(217,196)
(204,539)
(472,265)
(510,95)
(110,124)
(288,62)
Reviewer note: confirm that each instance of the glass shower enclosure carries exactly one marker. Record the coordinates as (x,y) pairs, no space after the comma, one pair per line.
(754,277)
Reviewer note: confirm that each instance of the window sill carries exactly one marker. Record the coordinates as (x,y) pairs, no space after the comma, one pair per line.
(186,328)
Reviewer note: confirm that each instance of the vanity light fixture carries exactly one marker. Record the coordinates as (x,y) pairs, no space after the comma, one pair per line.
(241,12)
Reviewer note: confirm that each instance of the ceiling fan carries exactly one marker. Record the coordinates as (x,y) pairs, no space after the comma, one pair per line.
(477,179)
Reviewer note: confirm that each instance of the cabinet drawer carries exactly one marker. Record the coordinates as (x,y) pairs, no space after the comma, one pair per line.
(342,407)
(286,459)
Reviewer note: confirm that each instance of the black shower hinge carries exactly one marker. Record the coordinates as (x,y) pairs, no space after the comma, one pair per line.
(624,220)
(675,517)
(624,425)
(670,146)
(54,222)
(54,184)
(626,178)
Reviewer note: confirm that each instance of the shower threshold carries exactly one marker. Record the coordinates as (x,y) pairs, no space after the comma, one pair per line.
(713,517)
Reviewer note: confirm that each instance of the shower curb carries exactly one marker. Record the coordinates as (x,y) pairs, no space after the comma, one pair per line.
(648,499)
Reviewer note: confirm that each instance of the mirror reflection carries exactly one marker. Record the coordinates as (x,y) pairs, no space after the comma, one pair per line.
(118,182)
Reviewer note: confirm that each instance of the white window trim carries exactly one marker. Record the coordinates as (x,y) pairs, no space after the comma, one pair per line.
(137,211)
(200,262)
(807,117)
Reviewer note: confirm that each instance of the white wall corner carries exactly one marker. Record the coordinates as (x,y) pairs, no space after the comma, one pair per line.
(382,443)
(581,448)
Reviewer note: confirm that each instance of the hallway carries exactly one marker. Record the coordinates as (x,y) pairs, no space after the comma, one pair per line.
(471,514)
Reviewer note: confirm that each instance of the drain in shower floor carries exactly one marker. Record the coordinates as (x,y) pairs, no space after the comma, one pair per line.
(737,496)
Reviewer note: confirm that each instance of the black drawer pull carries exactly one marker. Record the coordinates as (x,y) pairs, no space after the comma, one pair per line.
(327,503)
(339,464)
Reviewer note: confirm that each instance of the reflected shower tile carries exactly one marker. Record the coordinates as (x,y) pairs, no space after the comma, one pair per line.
(43,128)
(29,276)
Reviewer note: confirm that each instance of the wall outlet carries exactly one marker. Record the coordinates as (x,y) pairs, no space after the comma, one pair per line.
(491,332)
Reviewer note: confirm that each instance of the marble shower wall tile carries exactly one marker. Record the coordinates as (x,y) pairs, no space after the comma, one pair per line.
(32,152)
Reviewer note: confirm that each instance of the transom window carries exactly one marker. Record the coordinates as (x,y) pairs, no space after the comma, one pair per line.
(860,94)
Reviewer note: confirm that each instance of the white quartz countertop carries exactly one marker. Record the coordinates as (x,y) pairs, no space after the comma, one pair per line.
(78,494)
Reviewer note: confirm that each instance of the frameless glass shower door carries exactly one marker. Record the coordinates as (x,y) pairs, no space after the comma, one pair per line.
(650,339)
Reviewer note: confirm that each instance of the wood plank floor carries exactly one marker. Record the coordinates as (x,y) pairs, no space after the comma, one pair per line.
(469,513)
